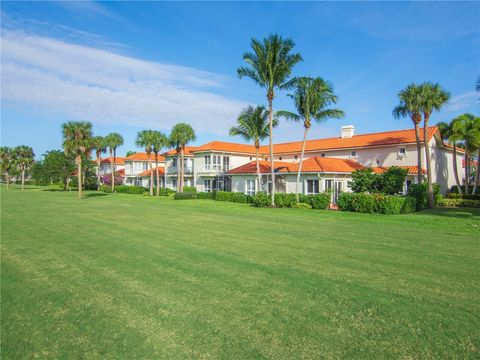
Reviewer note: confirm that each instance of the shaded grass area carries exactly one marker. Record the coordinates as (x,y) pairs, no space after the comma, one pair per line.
(127,276)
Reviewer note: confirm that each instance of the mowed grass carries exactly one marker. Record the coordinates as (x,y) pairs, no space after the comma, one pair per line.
(132,277)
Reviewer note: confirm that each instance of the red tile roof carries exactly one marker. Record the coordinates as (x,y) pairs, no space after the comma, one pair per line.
(118,160)
(315,165)
(161,172)
(227,147)
(188,151)
(411,170)
(141,156)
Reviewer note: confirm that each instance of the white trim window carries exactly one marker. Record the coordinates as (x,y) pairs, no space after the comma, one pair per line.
(312,186)
(402,152)
(328,184)
(250,187)
(208,185)
(353,154)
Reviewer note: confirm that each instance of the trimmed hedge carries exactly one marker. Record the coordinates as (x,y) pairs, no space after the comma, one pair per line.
(261,199)
(206,195)
(303,206)
(459,203)
(166,192)
(376,203)
(224,196)
(318,201)
(125,189)
(285,200)
(184,196)
(189,189)
(463,196)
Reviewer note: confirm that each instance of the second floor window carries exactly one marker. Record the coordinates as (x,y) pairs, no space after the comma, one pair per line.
(174,162)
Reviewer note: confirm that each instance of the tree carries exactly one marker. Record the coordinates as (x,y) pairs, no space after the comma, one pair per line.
(7,157)
(100,148)
(113,141)
(77,140)
(410,106)
(253,125)
(129,153)
(145,140)
(160,141)
(270,65)
(54,167)
(311,98)
(24,158)
(432,98)
(448,133)
(180,136)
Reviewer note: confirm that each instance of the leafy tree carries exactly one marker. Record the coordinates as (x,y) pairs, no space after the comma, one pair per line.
(180,136)
(312,99)
(113,141)
(129,153)
(100,148)
(77,141)
(270,65)
(362,180)
(253,125)
(7,157)
(450,133)
(389,182)
(145,140)
(55,167)
(410,105)
(432,98)
(160,141)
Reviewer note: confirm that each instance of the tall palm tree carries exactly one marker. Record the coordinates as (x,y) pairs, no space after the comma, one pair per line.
(448,133)
(100,148)
(312,97)
(432,98)
(253,125)
(159,141)
(145,140)
(270,65)
(181,135)
(24,158)
(474,139)
(113,141)
(410,106)
(7,157)
(77,140)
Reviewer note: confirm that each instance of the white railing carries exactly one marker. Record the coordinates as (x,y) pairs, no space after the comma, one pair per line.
(173,170)
(213,168)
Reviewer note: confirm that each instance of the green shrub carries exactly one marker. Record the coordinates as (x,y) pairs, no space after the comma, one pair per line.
(125,189)
(376,203)
(184,196)
(240,198)
(106,188)
(285,200)
(463,196)
(420,193)
(261,199)
(301,205)
(320,201)
(146,193)
(459,203)
(344,201)
(454,189)
(166,192)
(189,189)
(206,195)
(224,196)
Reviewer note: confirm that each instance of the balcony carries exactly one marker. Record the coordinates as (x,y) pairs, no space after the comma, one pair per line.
(213,168)
(173,170)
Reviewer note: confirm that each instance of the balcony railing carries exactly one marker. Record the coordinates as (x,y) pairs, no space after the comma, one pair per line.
(213,168)
(173,170)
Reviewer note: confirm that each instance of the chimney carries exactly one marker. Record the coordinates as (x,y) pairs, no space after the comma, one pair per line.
(347,131)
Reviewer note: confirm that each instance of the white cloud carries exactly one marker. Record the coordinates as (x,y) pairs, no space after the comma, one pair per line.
(462,102)
(80,82)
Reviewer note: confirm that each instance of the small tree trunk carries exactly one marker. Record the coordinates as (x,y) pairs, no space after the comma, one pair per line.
(419,154)
(428,162)
(157,192)
(477,174)
(259,177)
(7,178)
(270,126)
(467,173)
(79,175)
(151,174)
(23,179)
(301,161)
(112,161)
(99,161)
(455,168)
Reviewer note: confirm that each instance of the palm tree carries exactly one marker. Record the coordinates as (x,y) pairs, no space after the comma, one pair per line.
(145,139)
(159,141)
(312,97)
(181,135)
(7,156)
(113,141)
(448,133)
(270,66)
(100,147)
(432,98)
(410,106)
(24,158)
(253,125)
(77,140)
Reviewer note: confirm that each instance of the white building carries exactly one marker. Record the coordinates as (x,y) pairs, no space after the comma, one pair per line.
(137,169)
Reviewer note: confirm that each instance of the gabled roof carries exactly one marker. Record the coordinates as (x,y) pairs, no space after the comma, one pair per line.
(141,156)
(411,170)
(188,151)
(226,147)
(120,172)
(311,165)
(118,160)
(161,172)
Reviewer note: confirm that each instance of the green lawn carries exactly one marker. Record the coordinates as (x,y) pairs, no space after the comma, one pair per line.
(127,276)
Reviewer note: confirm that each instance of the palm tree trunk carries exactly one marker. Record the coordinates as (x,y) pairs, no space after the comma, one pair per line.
(259,177)
(7,178)
(467,172)
(157,192)
(79,175)
(151,175)
(178,172)
(477,177)
(182,170)
(301,161)
(112,160)
(23,179)
(419,154)
(428,162)
(455,168)
(99,160)
(270,126)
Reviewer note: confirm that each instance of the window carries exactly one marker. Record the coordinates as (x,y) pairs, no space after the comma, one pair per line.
(208,185)
(353,154)
(312,187)
(295,157)
(402,152)
(280,158)
(323,155)
(408,184)
(174,162)
(217,162)
(251,158)
(174,183)
(328,184)
(226,163)
(250,187)
(208,161)
(145,166)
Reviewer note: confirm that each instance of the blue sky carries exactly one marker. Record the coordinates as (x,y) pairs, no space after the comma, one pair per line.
(127,66)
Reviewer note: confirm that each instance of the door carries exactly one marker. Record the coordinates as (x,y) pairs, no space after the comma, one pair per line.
(337,189)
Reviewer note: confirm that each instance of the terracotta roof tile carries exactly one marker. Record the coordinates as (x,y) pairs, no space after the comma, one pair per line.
(161,172)
(141,156)
(411,170)
(118,161)
(227,147)
(188,151)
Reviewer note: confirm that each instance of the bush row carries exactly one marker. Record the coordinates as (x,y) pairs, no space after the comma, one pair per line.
(454,189)
(459,203)
(376,203)
(216,195)
(124,189)
(318,201)
(463,196)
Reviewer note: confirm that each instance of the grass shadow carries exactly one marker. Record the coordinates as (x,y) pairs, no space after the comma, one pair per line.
(463,213)
(91,195)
